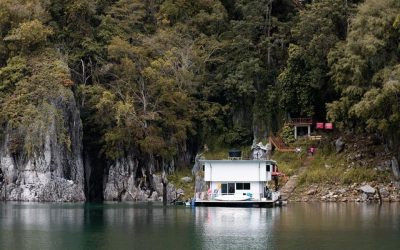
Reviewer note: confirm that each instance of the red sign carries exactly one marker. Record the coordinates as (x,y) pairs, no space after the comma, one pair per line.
(329,125)
(320,125)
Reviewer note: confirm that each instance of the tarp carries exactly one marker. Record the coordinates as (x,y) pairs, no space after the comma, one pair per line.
(328,125)
(320,125)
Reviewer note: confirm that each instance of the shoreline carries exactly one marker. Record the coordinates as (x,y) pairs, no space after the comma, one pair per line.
(361,193)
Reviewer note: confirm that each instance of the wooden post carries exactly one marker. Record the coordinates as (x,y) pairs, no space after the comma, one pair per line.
(295,132)
(379,195)
(164,181)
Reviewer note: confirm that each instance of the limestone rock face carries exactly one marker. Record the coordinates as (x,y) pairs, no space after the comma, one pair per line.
(56,172)
(123,184)
(119,181)
(395,168)
(171,189)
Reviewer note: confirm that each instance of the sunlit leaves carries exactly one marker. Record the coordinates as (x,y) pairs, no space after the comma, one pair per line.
(33,92)
(365,69)
(380,107)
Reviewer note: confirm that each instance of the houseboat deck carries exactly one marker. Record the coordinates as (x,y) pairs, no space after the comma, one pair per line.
(251,203)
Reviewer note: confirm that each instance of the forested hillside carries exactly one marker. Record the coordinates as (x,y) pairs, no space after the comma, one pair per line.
(152,81)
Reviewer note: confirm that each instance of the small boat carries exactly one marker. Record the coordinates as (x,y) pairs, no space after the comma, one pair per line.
(233,197)
(280,203)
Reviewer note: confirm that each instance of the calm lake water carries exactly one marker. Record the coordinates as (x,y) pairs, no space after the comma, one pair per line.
(150,226)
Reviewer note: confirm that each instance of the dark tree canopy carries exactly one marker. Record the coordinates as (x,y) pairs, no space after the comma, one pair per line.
(157,77)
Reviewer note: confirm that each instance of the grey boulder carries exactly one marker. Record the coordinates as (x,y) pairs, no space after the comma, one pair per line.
(367,189)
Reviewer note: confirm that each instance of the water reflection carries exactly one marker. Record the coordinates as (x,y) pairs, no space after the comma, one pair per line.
(96,226)
(234,228)
(333,226)
(24,226)
(151,226)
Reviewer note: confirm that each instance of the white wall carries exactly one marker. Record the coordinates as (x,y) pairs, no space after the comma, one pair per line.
(256,188)
(269,173)
(236,171)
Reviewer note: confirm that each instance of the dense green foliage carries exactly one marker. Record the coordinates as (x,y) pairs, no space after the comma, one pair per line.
(304,82)
(162,77)
(287,134)
(365,70)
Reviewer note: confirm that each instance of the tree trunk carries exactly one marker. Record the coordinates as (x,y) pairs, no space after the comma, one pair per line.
(268,17)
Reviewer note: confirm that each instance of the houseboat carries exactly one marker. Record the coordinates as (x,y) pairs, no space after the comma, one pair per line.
(239,183)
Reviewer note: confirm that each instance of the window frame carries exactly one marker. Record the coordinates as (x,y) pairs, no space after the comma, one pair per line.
(243,185)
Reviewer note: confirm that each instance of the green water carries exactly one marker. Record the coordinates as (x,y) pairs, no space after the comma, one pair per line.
(147,226)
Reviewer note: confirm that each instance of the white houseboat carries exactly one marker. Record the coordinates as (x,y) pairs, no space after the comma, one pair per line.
(236,182)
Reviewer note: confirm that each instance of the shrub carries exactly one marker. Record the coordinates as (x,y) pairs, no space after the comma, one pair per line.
(287,134)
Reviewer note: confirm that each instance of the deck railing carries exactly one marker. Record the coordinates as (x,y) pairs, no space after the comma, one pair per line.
(280,145)
(301,121)
(315,137)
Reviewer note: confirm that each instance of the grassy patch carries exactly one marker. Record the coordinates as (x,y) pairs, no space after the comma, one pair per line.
(364,174)
(331,169)
(188,188)
(289,162)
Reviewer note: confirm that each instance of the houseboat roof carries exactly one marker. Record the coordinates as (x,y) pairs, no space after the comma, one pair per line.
(238,161)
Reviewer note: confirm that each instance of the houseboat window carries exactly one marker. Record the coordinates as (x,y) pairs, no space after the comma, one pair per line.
(224,188)
(268,168)
(243,186)
(228,188)
(231,188)
(204,167)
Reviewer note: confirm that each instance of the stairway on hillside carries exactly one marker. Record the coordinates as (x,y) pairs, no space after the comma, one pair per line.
(291,185)
(279,144)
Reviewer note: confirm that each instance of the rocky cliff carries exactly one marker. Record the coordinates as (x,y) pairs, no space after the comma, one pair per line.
(127,179)
(41,142)
(53,174)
